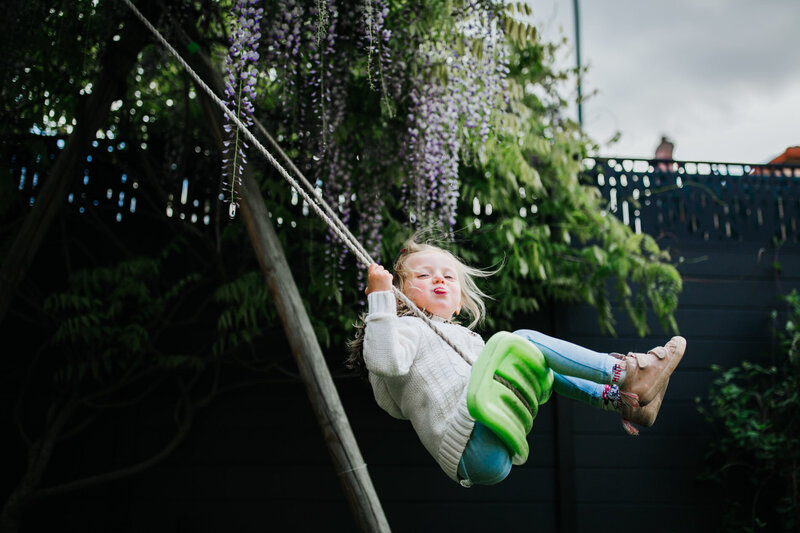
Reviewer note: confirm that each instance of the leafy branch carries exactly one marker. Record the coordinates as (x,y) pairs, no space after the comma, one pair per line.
(756,453)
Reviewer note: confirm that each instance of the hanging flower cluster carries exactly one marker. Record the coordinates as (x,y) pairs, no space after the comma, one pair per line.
(337,191)
(240,94)
(431,189)
(451,114)
(326,84)
(302,46)
(313,98)
(362,198)
(376,37)
(372,197)
(286,39)
(480,73)
(447,89)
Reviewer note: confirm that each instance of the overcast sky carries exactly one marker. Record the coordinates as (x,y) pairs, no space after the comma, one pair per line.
(721,78)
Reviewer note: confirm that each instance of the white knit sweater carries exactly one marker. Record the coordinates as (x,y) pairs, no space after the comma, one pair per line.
(416,376)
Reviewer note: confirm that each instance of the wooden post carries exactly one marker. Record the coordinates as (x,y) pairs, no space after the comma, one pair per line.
(322,393)
(321,390)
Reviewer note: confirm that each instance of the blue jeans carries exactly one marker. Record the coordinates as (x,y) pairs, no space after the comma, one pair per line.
(486,460)
(579,373)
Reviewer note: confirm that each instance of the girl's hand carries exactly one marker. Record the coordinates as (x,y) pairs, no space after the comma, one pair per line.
(378,279)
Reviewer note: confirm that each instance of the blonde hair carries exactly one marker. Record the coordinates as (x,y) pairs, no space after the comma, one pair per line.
(471,296)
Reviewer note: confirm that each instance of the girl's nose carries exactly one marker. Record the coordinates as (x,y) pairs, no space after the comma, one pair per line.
(437,278)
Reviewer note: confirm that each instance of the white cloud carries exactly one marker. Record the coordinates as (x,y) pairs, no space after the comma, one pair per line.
(721,77)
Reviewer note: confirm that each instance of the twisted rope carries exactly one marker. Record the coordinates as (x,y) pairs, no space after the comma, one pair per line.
(320,206)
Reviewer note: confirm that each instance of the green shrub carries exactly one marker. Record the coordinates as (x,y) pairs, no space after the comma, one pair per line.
(755,411)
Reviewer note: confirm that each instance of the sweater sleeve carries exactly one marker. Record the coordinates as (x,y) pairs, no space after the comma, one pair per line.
(390,344)
(384,398)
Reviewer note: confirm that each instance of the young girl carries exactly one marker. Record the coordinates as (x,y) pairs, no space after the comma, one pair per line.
(416,376)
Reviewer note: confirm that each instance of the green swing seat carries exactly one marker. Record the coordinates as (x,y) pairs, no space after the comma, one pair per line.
(508,383)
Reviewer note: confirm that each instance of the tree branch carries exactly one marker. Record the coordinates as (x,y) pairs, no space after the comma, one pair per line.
(127,403)
(184,425)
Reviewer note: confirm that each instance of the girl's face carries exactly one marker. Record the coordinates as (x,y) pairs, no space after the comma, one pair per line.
(433,283)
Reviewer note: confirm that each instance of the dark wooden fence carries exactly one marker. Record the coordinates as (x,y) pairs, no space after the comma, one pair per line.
(733,229)
(256,460)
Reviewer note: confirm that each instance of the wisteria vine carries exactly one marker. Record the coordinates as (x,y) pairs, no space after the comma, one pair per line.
(377,37)
(240,83)
(448,103)
(451,116)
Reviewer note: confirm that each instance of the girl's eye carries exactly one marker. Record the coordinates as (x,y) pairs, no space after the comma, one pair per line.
(422,275)
(449,277)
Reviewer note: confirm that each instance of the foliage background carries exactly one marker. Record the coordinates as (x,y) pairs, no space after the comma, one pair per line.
(161,313)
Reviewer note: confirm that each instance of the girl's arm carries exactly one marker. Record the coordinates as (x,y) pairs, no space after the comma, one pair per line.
(390,344)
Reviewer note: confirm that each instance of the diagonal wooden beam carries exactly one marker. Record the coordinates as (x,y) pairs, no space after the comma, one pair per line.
(341,442)
(321,390)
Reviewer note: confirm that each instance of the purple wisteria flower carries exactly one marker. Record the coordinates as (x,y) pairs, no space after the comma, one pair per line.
(240,84)
(285,39)
(451,117)
(376,42)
